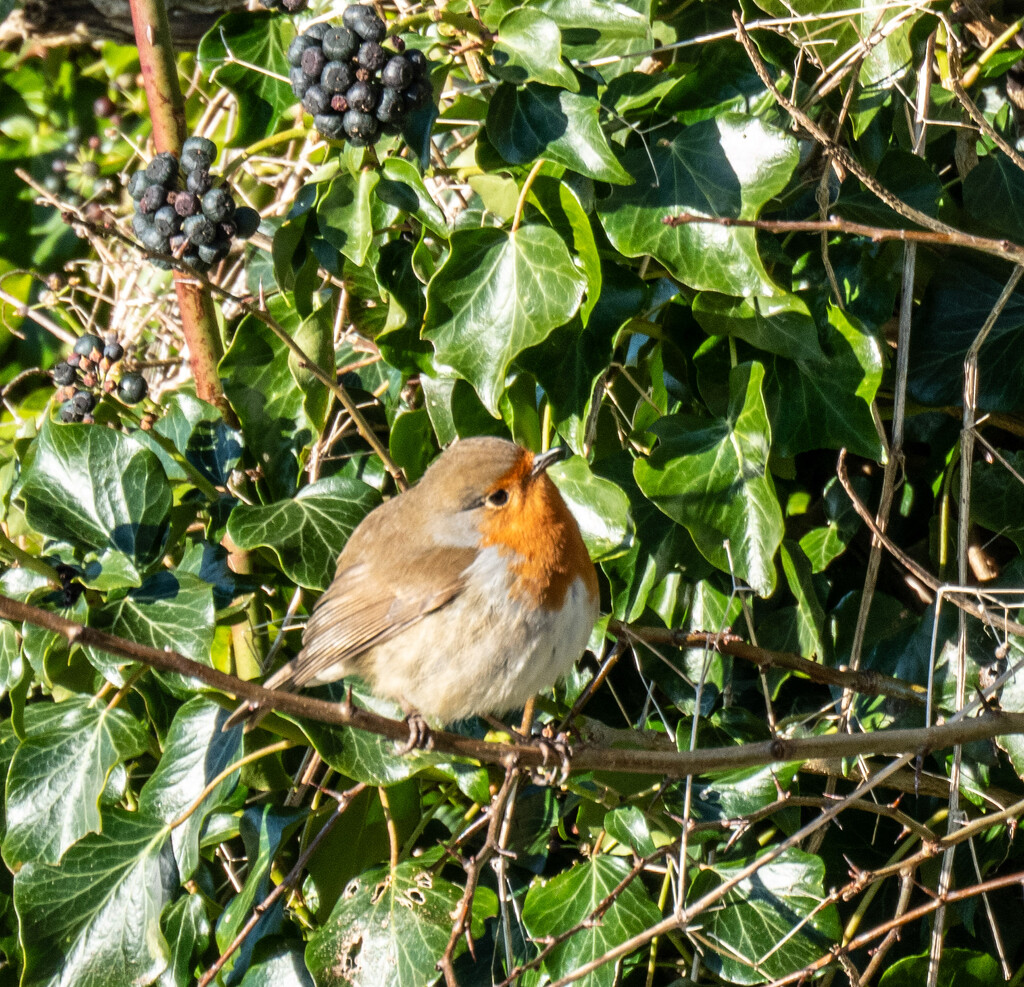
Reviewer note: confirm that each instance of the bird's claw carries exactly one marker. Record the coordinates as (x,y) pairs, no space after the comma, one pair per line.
(553,748)
(420,736)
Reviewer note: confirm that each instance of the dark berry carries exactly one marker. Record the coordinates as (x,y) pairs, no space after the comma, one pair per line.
(166,221)
(152,239)
(137,184)
(419,93)
(103,107)
(336,77)
(317,31)
(247,221)
(364,96)
(316,100)
(398,72)
(113,352)
(83,401)
(299,81)
(211,253)
(294,6)
(68,413)
(200,230)
(339,103)
(340,43)
(218,205)
(163,169)
(299,44)
(330,125)
(365,22)
(84,345)
(418,61)
(202,146)
(371,56)
(141,222)
(361,128)
(186,203)
(152,199)
(132,388)
(313,62)
(64,374)
(392,107)
(177,242)
(199,181)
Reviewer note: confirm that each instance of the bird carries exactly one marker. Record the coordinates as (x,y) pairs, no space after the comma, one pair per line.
(465,595)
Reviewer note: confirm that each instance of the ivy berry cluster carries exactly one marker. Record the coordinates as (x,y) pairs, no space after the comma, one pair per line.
(87,372)
(355,88)
(189,216)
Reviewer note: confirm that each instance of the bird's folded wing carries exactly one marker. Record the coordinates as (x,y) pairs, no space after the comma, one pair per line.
(369,603)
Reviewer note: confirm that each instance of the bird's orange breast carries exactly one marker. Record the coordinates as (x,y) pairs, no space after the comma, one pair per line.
(541,537)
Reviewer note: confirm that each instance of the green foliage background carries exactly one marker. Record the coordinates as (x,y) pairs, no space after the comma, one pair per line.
(505,268)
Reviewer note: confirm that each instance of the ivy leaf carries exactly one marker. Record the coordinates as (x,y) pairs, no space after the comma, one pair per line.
(307,532)
(195,752)
(770,924)
(187,931)
(782,325)
(236,42)
(600,507)
(497,294)
(346,214)
(826,402)
(388,927)
(101,490)
(712,477)
(402,187)
(169,610)
(538,121)
(729,166)
(58,774)
(199,432)
(529,49)
(120,880)
(566,900)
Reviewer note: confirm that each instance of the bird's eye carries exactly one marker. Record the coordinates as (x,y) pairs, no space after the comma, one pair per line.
(497,498)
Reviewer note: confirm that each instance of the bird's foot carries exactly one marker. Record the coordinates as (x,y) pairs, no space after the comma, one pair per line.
(420,736)
(554,748)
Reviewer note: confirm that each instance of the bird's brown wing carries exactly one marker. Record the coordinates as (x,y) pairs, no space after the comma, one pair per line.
(369,603)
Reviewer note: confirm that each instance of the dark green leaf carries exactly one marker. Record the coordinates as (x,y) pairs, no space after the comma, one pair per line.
(58,775)
(187,930)
(782,324)
(600,507)
(307,532)
(199,432)
(529,49)
(712,477)
(346,216)
(729,166)
(538,121)
(497,294)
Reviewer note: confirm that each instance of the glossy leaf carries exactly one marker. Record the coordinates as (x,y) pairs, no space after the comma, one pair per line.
(346,215)
(781,325)
(497,294)
(568,899)
(198,431)
(538,121)
(58,774)
(712,477)
(120,880)
(601,509)
(529,49)
(729,166)
(389,926)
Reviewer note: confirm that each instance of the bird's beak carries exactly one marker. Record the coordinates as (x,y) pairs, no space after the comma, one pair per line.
(545,459)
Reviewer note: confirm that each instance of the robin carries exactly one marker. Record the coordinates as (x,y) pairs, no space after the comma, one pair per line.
(466,595)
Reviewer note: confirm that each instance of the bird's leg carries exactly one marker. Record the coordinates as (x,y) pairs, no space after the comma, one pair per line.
(420,737)
(553,747)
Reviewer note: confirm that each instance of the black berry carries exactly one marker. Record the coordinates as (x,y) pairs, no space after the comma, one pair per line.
(186,203)
(163,169)
(316,100)
(218,205)
(200,230)
(152,199)
(330,125)
(340,43)
(371,56)
(84,345)
(132,388)
(113,352)
(364,21)
(247,222)
(199,181)
(336,77)
(398,72)
(166,221)
(64,374)
(298,46)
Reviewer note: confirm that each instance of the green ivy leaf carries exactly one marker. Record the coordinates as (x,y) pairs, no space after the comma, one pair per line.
(389,927)
(346,215)
(529,49)
(729,166)
(187,931)
(58,774)
(101,490)
(826,402)
(712,477)
(280,965)
(960,967)
(997,497)
(195,752)
(199,432)
(118,879)
(240,38)
(600,507)
(497,294)
(307,532)
(781,325)
(401,186)
(770,924)
(538,121)
(560,904)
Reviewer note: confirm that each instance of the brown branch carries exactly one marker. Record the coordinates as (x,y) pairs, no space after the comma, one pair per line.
(586,757)
(1005,249)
